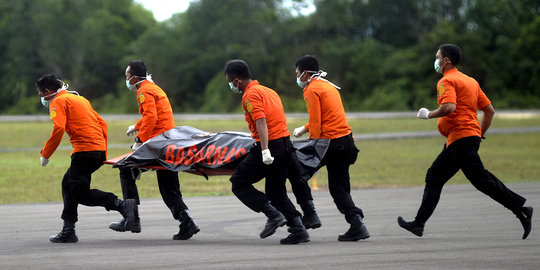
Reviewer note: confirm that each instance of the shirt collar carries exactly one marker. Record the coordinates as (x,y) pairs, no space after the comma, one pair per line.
(452,70)
(144,82)
(250,85)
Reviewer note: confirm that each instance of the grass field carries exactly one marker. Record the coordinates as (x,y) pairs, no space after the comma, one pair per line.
(385,163)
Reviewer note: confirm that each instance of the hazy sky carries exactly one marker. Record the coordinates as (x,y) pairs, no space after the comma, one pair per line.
(164,9)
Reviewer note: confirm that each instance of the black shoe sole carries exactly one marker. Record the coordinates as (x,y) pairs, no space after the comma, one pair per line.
(119,228)
(352,239)
(312,226)
(311,222)
(305,240)
(278,224)
(64,241)
(188,235)
(414,230)
(527,225)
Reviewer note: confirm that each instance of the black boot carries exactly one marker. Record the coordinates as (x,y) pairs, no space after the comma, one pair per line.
(67,235)
(275,219)
(356,232)
(415,227)
(298,232)
(525,216)
(120,226)
(131,221)
(188,226)
(310,219)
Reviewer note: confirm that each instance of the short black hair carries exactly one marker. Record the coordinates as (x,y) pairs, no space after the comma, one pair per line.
(451,51)
(137,68)
(237,69)
(50,82)
(307,62)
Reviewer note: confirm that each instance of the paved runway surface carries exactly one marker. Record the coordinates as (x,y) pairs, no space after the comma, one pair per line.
(467,231)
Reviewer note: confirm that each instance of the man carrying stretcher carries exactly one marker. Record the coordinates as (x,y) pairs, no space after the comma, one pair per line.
(157,117)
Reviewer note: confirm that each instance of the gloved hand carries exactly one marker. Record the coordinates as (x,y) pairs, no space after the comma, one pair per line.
(267,157)
(423,113)
(299,131)
(136,146)
(131,130)
(43,161)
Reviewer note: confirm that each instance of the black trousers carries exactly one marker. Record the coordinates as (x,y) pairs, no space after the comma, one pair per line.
(76,185)
(301,191)
(252,169)
(341,153)
(463,154)
(169,188)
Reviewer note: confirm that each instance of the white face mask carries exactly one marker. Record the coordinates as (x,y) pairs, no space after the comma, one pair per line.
(437,66)
(301,83)
(129,86)
(46,102)
(318,75)
(133,87)
(234,88)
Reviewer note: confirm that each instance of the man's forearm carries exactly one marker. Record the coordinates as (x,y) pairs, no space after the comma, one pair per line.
(262,129)
(443,110)
(489,112)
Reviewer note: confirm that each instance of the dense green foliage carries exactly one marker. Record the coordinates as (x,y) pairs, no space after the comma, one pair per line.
(380,52)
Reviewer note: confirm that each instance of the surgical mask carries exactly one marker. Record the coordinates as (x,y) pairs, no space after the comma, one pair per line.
(437,66)
(319,75)
(46,102)
(234,88)
(301,83)
(133,87)
(129,86)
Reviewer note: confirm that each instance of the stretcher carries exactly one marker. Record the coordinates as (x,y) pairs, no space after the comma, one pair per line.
(190,150)
(199,171)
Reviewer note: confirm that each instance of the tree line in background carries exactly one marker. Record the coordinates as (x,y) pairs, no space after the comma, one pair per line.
(380,52)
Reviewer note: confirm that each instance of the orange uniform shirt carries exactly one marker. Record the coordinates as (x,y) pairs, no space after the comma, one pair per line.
(327,119)
(156,111)
(262,102)
(74,114)
(464,91)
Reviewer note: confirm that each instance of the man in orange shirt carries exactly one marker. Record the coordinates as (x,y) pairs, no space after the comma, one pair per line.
(459,98)
(327,120)
(157,117)
(87,131)
(269,158)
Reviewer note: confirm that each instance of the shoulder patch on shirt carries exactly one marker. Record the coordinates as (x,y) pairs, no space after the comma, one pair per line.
(249,107)
(52,113)
(141,99)
(440,89)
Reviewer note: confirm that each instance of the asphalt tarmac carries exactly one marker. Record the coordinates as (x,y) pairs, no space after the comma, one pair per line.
(467,231)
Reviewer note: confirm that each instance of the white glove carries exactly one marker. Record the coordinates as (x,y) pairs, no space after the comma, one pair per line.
(299,131)
(423,113)
(131,130)
(136,146)
(267,157)
(43,161)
